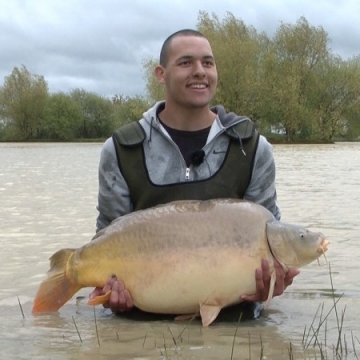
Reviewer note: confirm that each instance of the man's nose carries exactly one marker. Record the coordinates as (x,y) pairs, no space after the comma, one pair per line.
(199,69)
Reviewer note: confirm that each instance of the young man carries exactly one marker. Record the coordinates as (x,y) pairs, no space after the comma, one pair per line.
(186,150)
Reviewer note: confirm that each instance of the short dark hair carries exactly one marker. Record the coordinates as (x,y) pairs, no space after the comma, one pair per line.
(164,53)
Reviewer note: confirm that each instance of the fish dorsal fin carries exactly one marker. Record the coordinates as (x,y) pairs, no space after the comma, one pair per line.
(272,287)
(100,299)
(209,313)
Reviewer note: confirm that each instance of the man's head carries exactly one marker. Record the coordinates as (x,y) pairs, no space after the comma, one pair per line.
(187,69)
(164,53)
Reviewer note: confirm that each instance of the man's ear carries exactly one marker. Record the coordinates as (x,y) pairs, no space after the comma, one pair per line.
(159,73)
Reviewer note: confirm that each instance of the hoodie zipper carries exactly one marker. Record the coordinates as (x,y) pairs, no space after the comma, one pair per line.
(188,169)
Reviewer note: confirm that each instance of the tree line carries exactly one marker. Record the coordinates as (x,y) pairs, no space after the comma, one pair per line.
(29,113)
(291,85)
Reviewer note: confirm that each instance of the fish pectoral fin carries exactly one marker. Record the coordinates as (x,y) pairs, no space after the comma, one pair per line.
(209,313)
(271,290)
(100,299)
(186,317)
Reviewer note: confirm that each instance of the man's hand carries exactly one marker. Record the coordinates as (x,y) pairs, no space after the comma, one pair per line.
(262,278)
(120,299)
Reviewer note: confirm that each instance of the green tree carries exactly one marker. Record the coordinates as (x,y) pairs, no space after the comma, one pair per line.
(337,98)
(63,118)
(238,51)
(96,114)
(297,52)
(351,112)
(128,109)
(23,98)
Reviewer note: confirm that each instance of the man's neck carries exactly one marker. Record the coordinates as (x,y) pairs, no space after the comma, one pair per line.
(187,119)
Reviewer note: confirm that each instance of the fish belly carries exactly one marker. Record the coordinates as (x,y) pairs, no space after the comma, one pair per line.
(181,283)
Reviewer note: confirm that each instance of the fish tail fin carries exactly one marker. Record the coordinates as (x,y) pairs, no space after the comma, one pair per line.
(57,289)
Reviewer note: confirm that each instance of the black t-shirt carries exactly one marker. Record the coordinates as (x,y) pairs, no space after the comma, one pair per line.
(189,142)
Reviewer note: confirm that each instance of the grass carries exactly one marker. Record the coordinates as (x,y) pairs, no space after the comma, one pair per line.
(21,308)
(77,329)
(233,343)
(312,336)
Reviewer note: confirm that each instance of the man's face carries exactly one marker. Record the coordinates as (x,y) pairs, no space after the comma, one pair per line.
(190,75)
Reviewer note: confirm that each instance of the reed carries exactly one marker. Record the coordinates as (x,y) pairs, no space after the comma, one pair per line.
(96,328)
(312,337)
(21,309)
(77,329)
(233,343)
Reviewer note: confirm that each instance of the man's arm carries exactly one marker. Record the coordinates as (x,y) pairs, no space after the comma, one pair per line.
(261,189)
(113,201)
(113,195)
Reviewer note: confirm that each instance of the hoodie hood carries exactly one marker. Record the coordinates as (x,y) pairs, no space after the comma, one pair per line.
(226,120)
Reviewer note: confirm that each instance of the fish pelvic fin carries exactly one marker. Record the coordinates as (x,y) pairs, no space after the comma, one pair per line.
(57,288)
(272,287)
(209,313)
(186,317)
(100,299)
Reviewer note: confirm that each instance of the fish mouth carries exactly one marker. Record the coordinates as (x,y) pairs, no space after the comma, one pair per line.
(323,246)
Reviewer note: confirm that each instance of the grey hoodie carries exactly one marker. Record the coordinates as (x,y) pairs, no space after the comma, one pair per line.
(166,165)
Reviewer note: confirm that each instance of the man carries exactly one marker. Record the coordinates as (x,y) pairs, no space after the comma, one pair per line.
(186,150)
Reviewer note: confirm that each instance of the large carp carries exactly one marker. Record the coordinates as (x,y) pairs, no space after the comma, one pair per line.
(185,257)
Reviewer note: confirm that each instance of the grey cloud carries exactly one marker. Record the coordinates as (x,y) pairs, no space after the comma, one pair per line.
(100,45)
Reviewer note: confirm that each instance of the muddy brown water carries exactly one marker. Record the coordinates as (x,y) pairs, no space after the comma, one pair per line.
(48,197)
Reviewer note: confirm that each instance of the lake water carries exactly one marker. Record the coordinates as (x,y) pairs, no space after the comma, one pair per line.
(48,194)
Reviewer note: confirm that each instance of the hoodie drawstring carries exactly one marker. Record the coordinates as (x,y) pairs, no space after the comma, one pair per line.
(150,135)
(240,142)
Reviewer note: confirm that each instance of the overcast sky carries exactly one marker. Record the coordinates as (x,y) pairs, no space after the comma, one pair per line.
(99,45)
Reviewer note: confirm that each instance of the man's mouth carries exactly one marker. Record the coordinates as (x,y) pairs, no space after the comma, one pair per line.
(198,86)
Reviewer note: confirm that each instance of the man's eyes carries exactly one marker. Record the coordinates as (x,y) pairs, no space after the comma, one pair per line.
(205,63)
